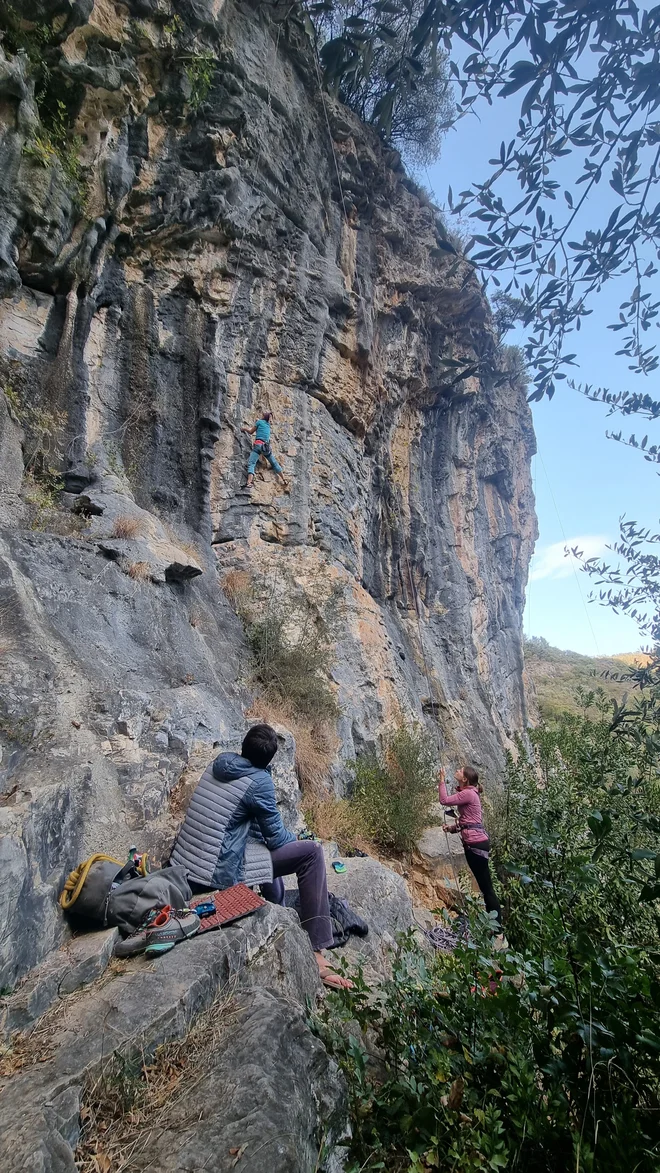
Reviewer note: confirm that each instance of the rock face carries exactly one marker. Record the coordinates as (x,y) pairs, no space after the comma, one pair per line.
(256,1079)
(256,1074)
(217,251)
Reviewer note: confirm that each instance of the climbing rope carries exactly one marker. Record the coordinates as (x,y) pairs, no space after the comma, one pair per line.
(255,171)
(327,119)
(74,885)
(415,594)
(413,586)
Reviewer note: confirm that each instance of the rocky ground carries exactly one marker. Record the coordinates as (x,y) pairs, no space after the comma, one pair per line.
(242,1070)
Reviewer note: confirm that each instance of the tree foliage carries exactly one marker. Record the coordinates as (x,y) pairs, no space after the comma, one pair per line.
(587,77)
(368,55)
(393,791)
(544,1057)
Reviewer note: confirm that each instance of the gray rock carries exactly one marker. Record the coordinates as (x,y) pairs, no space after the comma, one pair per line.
(434,843)
(148,1004)
(271,1092)
(76,964)
(382,899)
(211,281)
(63,1113)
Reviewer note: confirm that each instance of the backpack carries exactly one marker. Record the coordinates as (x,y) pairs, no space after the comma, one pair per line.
(344,919)
(101,893)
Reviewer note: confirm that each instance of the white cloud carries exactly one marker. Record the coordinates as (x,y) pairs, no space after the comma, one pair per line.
(552,561)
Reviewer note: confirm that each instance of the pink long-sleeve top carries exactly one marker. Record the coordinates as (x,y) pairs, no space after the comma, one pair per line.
(468,805)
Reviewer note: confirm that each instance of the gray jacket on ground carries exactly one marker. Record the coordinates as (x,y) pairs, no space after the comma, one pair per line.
(231,826)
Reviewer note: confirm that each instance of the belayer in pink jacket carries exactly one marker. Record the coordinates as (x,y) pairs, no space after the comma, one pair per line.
(470,827)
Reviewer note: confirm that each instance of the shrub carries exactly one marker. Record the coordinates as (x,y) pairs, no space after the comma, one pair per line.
(393,791)
(199,69)
(409,98)
(290,636)
(289,660)
(545,1057)
(140,571)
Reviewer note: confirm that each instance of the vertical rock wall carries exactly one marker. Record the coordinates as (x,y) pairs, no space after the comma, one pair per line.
(212,258)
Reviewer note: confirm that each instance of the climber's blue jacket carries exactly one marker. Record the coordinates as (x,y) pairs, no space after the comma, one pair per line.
(231,826)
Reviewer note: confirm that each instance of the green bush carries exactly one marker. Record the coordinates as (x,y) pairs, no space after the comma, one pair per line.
(290,666)
(291,637)
(393,791)
(552,1064)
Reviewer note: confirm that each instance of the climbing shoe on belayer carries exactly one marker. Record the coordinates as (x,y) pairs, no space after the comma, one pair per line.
(169,928)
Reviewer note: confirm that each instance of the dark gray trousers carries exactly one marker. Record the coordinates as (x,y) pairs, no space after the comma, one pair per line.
(305,859)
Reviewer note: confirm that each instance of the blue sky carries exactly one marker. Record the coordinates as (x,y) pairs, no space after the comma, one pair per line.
(583,481)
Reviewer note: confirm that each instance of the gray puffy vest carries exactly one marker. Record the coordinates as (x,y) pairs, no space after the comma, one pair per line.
(198,846)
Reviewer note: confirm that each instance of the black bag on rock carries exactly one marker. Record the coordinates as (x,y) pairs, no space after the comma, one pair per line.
(344,920)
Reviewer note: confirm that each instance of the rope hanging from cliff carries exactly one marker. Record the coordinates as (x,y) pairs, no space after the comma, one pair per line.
(325,112)
(255,170)
(415,595)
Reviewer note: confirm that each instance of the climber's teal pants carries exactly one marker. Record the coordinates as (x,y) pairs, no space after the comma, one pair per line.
(262,450)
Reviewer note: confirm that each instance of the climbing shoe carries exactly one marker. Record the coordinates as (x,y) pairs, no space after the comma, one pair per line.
(137,941)
(169,927)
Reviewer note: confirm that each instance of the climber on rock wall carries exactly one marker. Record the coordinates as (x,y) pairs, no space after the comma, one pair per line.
(261,447)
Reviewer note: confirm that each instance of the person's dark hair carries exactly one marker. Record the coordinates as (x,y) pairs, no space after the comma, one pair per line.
(259,745)
(472,778)
(267,415)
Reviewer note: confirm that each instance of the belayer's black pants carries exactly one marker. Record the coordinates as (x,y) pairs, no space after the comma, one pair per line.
(478,865)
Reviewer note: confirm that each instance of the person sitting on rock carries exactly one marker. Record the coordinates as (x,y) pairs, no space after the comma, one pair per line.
(233,832)
(261,447)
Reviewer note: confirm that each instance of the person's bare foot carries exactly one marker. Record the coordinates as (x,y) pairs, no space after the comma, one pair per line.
(329,975)
(250,481)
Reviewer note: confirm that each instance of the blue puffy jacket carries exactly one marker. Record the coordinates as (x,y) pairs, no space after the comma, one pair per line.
(231,825)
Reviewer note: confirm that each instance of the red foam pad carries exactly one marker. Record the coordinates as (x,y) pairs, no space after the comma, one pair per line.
(230,905)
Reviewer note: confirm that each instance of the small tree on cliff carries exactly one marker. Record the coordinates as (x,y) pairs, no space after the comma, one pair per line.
(369,65)
(587,77)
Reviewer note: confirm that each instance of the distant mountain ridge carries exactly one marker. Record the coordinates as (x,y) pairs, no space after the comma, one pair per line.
(554,676)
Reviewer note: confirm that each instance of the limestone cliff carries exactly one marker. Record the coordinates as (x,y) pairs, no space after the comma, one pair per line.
(227,241)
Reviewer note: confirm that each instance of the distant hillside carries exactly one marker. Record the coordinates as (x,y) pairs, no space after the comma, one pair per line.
(555,676)
(641,658)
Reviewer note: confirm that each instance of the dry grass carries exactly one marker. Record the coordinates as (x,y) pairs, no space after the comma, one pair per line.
(140,571)
(27,1048)
(38,1043)
(188,548)
(316,743)
(316,746)
(182,792)
(191,550)
(126,527)
(237,585)
(336,819)
(129,1103)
